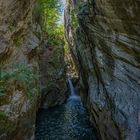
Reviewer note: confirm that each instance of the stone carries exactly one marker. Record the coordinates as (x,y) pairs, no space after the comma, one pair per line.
(105,47)
(17,41)
(53,76)
(22,63)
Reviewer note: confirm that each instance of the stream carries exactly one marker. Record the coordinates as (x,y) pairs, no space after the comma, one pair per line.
(69,121)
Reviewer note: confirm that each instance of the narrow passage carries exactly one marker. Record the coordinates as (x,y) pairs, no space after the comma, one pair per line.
(69,121)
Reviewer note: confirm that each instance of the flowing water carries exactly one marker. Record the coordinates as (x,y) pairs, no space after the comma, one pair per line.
(69,121)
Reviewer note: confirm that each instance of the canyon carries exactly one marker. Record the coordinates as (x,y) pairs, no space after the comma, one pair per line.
(104,41)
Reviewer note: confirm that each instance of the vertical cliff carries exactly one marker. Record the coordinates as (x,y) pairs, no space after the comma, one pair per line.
(22,51)
(51,59)
(53,76)
(104,38)
(19,70)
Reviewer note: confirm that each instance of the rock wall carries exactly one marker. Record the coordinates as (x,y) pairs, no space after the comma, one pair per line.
(18,70)
(26,66)
(53,76)
(104,38)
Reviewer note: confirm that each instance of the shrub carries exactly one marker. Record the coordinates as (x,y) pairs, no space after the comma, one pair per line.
(3,114)
(22,76)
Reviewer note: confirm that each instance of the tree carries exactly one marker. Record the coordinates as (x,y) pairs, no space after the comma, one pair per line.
(50,12)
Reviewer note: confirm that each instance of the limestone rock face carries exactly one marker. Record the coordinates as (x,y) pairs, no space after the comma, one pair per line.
(53,77)
(104,38)
(23,60)
(18,67)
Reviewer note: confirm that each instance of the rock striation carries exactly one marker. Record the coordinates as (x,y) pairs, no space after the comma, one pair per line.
(104,38)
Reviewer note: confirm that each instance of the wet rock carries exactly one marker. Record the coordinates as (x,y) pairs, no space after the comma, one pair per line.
(104,41)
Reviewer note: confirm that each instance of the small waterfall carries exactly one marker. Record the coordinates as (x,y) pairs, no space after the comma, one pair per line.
(71,87)
(73,95)
(68,121)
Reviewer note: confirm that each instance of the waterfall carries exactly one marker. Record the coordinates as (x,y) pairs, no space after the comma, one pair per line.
(69,121)
(73,94)
(71,87)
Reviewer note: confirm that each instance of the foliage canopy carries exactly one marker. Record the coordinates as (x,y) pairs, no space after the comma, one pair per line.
(50,12)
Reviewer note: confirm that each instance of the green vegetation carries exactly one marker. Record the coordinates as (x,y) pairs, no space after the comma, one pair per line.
(18,42)
(11,28)
(74,19)
(50,12)
(22,77)
(2,114)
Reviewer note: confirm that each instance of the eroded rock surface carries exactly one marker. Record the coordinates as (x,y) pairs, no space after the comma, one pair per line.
(104,38)
(53,76)
(23,62)
(18,65)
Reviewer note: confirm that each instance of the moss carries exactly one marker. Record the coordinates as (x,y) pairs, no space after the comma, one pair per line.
(74,19)
(11,28)
(23,78)
(3,114)
(5,124)
(18,42)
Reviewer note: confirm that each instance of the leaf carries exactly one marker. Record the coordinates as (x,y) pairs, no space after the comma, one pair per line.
(3,114)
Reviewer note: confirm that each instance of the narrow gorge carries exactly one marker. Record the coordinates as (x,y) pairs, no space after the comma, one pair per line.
(69,70)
